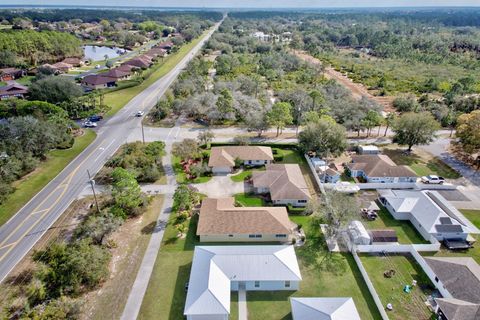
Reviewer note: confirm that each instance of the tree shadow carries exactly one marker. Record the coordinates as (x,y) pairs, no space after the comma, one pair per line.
(180,294)
(191,239)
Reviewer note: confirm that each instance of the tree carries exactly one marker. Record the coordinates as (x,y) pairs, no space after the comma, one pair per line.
(468,130)
(317,97)
(185,198)
(389,121)
(280,115)
(257,121)
(126,192)
(326,138)
(97,227)
(405,103)
(55,90)
(371,120)
(109,63)
(187,149)
(225,104)
(415,129)
(205,137)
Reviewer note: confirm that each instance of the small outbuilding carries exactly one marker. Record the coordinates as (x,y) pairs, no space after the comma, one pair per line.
(358,233)
(368,149)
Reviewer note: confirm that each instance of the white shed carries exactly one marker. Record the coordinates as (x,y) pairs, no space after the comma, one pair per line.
(358,233)
(368,149)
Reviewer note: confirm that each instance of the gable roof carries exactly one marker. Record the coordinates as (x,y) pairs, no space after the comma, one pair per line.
(455,309)
(13,88)
(220,216)
(61,65)
(430,209)
(214,267)
(460,276)
(94,79)
(379,165)
(225,156)
(285,181)
(116,73)
(324,309)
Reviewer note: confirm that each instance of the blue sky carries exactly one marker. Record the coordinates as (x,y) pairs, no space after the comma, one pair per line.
(250,3)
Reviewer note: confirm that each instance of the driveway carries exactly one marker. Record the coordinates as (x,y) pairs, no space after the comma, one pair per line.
(221,186)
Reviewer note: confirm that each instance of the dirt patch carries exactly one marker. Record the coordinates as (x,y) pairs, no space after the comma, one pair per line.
(358,90)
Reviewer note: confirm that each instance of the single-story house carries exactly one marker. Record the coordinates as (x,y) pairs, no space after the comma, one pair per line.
(117,74)
(167,45)
(284,182)
(139,63)
(379,168)
(61,67)
(158,52)
(13,90)
(430,213)
(460,276)
(221,221)
(330,176)
(218,270)
(222,159)
(324,309)
(94,82)
(73,61)
(127,68)
(9,74)
(368,149)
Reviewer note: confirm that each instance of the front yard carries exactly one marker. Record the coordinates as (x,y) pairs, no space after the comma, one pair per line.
(391,290)
(182,176)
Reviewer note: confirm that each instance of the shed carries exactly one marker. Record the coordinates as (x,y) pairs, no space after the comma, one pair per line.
(387,235)
(368,149)
(358,233)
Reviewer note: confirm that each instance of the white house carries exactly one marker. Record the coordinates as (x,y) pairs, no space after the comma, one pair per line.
(324,309)
(222,159)
(218,270)
(430,213)
(379,168)
(284,182)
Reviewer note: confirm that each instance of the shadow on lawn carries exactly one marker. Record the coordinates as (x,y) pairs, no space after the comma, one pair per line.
(180,294)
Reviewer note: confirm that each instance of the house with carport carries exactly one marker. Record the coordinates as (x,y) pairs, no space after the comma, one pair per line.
(379,168)
(222,159)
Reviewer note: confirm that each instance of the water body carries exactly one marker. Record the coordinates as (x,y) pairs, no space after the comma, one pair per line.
(97,53)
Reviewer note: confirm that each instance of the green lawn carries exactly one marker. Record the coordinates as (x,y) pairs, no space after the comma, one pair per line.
(249,200)
(241,176)
(117,99)
(322,276)
(405,305)
(182,177)
(474,217)
(420,166)
(406,232)
(27,187)
(26,81)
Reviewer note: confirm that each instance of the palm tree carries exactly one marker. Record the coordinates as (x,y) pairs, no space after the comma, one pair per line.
(316,97)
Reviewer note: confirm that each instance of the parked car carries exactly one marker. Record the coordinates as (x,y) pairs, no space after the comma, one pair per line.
(95,118)
(139,114)
(90,124)
(432,179)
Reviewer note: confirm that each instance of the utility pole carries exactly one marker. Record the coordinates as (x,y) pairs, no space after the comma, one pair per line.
(92,183)
(143,132)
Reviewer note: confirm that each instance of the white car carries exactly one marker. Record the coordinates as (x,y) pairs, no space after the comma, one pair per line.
(90,124)
(432,179)
(139,114)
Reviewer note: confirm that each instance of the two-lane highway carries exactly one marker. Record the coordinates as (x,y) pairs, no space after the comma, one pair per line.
(24,229)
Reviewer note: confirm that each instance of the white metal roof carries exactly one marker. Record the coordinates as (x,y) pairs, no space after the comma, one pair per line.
(324,309)
(214,267)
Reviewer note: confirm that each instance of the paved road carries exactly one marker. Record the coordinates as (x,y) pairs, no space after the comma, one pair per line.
(24,229)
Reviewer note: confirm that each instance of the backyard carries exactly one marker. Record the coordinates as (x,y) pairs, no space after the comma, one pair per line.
(409,305)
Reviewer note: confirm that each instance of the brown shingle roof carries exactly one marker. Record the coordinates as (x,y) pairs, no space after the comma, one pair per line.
(13,88)
(379,165)
(221,217)
(116,73)
(455,309)
(225,156)
(285,181)
(97,79)
(460,276)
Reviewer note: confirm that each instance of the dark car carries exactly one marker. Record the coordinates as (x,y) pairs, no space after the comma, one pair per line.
(95,118)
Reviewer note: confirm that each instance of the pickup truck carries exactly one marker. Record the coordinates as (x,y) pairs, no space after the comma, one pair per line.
(432,179)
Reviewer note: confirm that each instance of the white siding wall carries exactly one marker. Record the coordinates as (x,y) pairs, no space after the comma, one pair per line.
(244,238)
(293,202)
(256,162)
(266,286)
(208,317)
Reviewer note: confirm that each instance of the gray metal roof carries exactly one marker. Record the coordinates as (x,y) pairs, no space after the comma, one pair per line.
(324,309)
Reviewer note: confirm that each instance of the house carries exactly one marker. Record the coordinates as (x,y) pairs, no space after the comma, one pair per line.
(324,309)
(218,270)
(127,68)
(159,52)
(368,150)
(330,176)
(167,45)
(94,82)
(9,74)
(73,61)
(61,67)
(139,63)
(261,36)
(221,221)
(284,182)
(460,277)
(117,74)
(13,90)
(379,168)
(430,213)
(222,159)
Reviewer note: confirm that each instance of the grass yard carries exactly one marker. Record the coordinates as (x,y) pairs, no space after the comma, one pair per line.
(420,165)
(406,232)
(31,184)
(474,217)
(405,305)
(117,99)
(240,177)
(249,200)
(182,177)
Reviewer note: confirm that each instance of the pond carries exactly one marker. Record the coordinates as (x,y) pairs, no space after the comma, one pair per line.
(97,53)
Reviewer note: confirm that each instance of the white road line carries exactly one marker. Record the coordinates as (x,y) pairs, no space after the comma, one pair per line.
(103,150)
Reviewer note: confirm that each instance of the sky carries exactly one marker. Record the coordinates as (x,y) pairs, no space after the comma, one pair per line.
(250,3)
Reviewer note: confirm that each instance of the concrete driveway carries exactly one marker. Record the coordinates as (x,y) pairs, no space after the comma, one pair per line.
(222,186)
